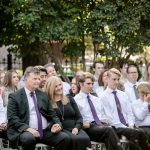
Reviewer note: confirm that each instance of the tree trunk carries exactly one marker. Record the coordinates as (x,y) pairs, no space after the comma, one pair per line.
(33,55)
(56,50)
(58,57)
(83,53)
(95,49)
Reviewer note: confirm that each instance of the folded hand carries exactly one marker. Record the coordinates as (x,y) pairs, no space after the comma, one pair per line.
(55,128)
(75,131)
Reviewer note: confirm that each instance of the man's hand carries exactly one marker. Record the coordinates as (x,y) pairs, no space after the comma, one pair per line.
(55,128)
(3,127)
(75,131)
(33,132)
(86,125)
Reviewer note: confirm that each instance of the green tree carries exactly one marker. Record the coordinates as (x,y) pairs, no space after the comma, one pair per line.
(37,27)
(117,28)
(32,25)
(73,50)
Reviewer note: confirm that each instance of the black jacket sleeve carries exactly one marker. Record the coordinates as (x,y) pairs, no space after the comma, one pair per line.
(13,115)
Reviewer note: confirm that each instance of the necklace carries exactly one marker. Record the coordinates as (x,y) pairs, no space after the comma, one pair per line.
(61,112)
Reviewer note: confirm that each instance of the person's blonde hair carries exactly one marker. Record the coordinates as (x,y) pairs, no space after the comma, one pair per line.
(49,88)
(84,76)
(144,87)
(114,71)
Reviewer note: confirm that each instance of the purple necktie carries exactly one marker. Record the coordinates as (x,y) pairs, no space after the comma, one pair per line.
(96,119)
(136,92)
(40,130)
(120,114)
(149,107)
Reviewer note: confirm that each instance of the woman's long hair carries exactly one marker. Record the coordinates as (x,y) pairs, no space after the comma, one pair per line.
(7,82)
(49,88)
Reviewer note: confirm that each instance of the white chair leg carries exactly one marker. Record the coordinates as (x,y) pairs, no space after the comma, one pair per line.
(98,146)
(1,144)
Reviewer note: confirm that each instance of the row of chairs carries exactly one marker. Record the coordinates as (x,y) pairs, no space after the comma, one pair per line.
(101,146)
(39,146)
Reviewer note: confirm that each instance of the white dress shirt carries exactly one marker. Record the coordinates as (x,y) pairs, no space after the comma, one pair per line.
(85,110)
(110,108)
(33,121)
(141,113)
(99,91)
(66,88)
(3,114)
(95,86)
(129,90)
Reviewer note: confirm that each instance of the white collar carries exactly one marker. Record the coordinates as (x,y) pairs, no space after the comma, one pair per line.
(109,90)
(131,84)
(83,94)
(28,92)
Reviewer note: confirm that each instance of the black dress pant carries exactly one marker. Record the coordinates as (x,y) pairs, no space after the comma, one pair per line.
(3,134)
(136,137)
(104,134)
(146,130)
(58,140)
(78,142)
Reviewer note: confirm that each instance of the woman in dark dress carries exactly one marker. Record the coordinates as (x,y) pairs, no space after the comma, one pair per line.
(68,113)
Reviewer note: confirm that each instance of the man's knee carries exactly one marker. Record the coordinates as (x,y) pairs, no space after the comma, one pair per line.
(110,129)
(65,138)
(27,139)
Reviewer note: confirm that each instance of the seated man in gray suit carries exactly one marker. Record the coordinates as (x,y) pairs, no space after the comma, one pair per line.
(31,118)
(141,108)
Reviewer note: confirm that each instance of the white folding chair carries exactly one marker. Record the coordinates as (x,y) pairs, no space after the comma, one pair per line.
(98,146)
(124,144)
(2,145)
(39,146)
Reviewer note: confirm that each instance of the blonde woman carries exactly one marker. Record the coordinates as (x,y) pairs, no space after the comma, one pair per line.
(68,112)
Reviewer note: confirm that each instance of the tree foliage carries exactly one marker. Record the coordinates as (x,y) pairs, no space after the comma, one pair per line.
(118,28)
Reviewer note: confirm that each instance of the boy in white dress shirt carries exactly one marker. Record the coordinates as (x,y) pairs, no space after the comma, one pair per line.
(131,84)
(95,123)
(119,112)
(141,108)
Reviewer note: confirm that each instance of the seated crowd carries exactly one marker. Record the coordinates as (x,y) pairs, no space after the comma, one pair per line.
(104,107)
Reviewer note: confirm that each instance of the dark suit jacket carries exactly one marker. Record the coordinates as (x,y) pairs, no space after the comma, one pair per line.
(18,113)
